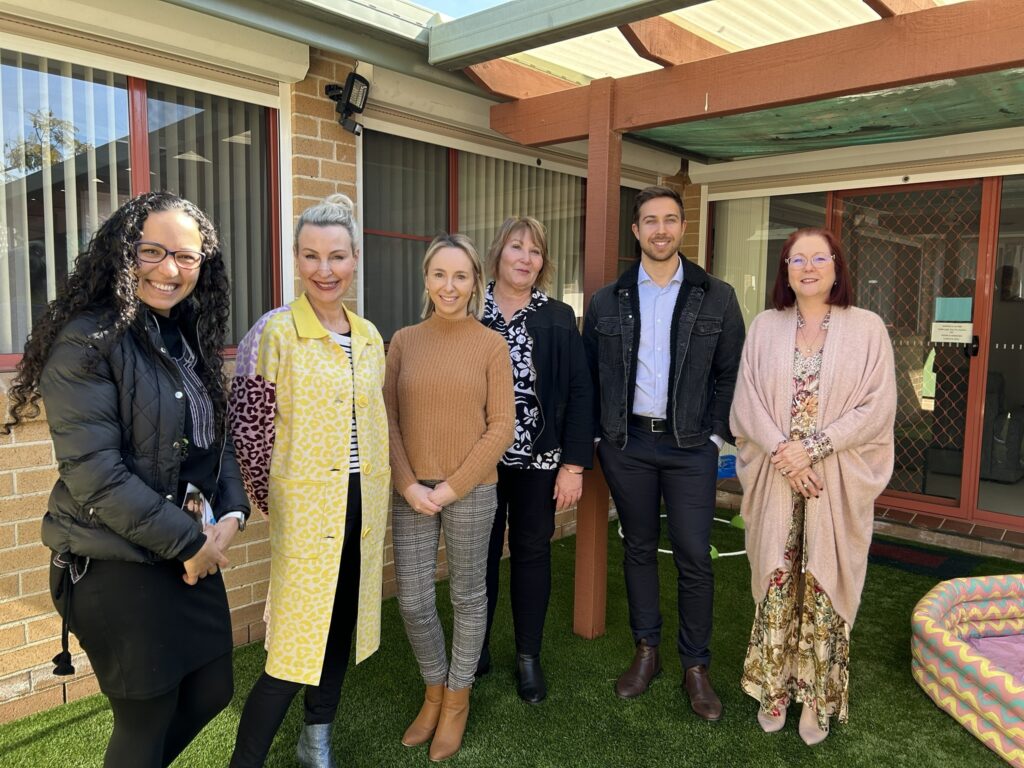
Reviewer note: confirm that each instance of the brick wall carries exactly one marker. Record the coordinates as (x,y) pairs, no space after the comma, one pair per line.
(691,209)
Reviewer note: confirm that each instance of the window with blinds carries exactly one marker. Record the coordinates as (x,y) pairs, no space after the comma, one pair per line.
(213,151)
(413,191)
(64,134)
(66,165)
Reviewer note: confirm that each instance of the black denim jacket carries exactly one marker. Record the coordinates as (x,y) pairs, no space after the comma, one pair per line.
(707,338)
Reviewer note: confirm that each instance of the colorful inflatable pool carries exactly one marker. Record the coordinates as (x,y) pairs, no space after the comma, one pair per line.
(968,656)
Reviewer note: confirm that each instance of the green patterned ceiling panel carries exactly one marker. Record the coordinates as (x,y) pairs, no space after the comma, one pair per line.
(926,110)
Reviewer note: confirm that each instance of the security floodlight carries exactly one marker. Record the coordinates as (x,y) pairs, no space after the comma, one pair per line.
(349,99)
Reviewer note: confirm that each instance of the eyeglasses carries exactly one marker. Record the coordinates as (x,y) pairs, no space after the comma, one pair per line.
(819,260)
(154,253)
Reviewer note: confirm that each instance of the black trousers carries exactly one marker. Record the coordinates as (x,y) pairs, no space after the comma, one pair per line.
(649,469)
(270,697)
(150,733)
(524,501)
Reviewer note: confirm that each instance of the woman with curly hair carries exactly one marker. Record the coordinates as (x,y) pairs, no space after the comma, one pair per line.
(128,362)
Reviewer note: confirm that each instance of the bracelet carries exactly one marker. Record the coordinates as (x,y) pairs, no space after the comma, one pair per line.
(572,471)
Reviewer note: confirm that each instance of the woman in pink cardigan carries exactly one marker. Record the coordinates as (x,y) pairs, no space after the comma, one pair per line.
(813,419)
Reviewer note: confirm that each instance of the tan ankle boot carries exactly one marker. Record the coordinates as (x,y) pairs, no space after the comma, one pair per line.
(454,712)
(423,726)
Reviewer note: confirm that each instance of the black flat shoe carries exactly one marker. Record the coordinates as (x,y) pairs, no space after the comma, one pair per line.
(530,678)
(483,664)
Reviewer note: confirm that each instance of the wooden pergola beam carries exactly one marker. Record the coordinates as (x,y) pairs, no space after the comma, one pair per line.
(943,42)
(667,44)
(513,80)
(889,8)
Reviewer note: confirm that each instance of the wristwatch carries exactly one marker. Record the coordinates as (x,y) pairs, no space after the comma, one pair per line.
(239,515)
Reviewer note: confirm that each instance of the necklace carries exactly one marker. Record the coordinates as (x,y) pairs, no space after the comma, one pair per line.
(808,347)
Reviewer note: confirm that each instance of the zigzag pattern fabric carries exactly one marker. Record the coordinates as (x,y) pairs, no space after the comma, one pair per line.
(983,698)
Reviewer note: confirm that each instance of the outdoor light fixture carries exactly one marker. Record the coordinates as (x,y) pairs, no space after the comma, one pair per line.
(349,99)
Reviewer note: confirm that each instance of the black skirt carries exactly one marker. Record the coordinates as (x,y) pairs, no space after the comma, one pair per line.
(142,627)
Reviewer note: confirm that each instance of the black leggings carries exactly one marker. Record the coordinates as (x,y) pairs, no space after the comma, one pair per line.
(152,732)
(270,698)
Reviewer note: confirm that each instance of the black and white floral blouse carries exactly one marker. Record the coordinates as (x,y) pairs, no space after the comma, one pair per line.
(529,418)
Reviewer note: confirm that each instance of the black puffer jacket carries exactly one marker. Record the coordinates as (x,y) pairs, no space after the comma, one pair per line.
(117,419)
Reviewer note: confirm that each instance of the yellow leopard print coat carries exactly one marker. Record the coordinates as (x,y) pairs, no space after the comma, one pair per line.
(290,410)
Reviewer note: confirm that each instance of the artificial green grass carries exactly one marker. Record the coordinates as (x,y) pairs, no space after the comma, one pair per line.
(582,723)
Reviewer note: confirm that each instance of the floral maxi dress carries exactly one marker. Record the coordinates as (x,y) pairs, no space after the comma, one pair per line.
(799,645)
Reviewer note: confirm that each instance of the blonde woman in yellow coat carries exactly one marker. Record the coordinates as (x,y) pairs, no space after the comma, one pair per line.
(308,420)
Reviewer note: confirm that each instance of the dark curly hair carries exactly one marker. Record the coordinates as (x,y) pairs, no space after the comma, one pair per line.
(105,278)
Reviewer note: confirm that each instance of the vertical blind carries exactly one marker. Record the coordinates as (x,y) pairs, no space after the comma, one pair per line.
(490,190)
(407,201)
(405,189)
(65,167)
(213,151)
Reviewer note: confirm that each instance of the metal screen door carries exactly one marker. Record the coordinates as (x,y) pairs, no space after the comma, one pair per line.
(909,251)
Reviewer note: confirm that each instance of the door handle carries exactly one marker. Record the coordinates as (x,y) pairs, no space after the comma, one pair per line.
(971,350)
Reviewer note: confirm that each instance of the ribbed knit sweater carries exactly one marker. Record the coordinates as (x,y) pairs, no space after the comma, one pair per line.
(451,408)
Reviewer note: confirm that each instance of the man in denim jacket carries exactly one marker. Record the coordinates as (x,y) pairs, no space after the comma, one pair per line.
(664,345)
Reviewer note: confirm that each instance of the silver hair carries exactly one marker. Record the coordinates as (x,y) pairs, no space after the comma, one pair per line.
(335,210)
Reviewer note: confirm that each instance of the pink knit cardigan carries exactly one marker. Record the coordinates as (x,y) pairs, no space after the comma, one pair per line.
(856,409)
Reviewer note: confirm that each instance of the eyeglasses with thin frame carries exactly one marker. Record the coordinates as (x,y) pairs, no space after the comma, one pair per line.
(819,260)
(154,253)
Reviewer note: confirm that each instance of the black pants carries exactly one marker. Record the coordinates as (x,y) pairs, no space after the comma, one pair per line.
(524,501)
(152,732)
(652,468)
(270,698)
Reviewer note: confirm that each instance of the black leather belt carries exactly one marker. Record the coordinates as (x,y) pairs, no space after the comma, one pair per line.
(648,423)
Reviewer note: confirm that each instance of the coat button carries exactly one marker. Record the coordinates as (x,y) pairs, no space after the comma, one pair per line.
(366,468)
(169,497)
(92,510)
(175,445)
(362,401)
(366,531)
(163,350)
(179,395)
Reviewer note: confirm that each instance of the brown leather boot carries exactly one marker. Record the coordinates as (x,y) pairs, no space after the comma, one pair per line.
(703,699)
(423,726)
(454,712)
(645,667)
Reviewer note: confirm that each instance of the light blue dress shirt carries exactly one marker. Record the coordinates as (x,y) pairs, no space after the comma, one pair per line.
(654,355)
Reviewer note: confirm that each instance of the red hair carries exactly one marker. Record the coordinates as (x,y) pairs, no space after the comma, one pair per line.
(842,292)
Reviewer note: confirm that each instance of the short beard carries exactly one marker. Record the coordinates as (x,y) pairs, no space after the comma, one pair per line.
(652,257)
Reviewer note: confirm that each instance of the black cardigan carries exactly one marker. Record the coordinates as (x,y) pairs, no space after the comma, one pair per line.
(564,388)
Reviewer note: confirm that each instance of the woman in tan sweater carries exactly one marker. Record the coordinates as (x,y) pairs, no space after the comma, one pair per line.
(813,419)
(451,416)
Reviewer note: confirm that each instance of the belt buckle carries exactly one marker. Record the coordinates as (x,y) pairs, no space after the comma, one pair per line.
(658,425)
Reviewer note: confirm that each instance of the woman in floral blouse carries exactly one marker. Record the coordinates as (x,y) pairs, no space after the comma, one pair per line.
(813,419)
(543,469)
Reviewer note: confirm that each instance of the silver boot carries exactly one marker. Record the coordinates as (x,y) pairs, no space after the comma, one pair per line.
(314,747)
